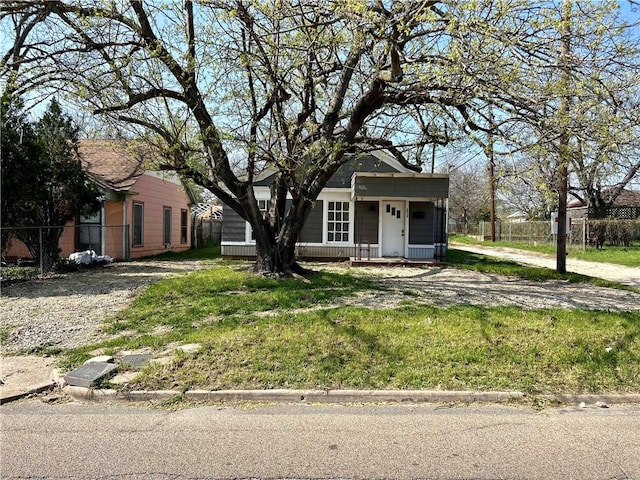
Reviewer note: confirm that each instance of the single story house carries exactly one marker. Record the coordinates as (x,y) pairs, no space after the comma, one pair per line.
(626,206)
(372,207)
(143,211)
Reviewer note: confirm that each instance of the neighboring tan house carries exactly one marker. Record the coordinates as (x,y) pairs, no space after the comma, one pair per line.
(143,212)
(372,207)
(626,206)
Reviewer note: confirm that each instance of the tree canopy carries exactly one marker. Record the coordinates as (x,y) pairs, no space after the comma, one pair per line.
(231,88)
(43,183)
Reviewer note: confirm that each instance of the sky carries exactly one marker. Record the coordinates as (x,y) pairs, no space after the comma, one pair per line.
(444,156)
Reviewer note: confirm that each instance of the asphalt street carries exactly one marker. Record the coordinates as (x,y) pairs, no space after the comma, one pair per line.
(97,441)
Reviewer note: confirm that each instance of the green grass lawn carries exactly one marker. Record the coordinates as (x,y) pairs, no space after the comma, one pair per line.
(291,333)
(627,256)
(417,348)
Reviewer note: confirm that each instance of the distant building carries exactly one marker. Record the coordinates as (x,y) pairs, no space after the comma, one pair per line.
(625,207)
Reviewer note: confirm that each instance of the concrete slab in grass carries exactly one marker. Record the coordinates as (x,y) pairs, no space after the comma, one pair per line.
(190,347)
(135,361)
(89,373)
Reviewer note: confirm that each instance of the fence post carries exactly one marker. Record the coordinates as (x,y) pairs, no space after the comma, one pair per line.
(41,252)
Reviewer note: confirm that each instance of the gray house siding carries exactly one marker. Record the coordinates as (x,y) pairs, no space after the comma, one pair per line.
(233,226)
(421,223)
(312,229)
(421,253)
(386,186)
(366,222)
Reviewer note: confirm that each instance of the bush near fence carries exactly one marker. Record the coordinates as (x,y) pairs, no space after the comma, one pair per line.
(615,232)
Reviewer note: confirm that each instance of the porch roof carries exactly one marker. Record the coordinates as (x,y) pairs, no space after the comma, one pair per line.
(401,185)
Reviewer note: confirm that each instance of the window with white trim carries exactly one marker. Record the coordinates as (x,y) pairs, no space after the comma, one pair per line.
(262,206)
(337,222)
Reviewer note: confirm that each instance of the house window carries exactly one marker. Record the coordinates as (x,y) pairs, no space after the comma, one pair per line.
(262,206)
(138,221)
(338,222)
(183,226)
(90,233)
(166,226)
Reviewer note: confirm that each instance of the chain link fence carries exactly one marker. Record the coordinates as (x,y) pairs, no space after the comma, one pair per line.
(584,232)
(40,246)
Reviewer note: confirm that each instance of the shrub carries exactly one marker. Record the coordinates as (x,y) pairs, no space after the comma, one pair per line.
(64,265)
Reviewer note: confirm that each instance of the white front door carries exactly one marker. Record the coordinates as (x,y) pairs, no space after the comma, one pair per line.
(393,222)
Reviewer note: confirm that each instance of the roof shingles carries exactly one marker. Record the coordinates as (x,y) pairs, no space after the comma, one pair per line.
(115,165)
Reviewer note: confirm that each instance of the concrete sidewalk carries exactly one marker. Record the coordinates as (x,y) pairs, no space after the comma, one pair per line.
(616,273)
(22,376)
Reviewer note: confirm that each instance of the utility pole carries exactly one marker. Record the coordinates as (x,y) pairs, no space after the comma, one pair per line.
(492,182)
(563,151)
(433,157)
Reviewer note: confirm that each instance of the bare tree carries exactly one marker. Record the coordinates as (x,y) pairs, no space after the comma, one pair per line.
(231,88)
(587,98)
(469,196)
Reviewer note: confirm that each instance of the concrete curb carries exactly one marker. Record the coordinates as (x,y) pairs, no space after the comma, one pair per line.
(341,396)
(311,395)
(589,399)
(296,396)
(314,396)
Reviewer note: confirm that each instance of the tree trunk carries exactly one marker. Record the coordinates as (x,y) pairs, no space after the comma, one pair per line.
(276,247)
(43,245)
(275,257)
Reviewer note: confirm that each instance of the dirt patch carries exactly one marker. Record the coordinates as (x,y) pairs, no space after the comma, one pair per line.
(67,310)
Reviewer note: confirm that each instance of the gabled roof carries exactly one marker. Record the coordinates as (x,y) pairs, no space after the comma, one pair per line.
(265,177)
(390,160)
(114,164)
(627,198)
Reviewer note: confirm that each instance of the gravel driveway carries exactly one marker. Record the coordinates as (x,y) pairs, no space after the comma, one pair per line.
(67,311)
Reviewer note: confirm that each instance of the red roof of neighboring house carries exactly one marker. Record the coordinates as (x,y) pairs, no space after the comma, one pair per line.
(113,164)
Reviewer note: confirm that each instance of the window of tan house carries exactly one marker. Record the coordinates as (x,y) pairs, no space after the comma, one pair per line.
(166,226)
(183,225)
(138,222)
